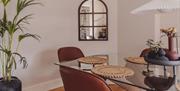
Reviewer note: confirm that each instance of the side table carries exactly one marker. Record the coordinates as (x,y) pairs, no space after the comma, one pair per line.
(165,63)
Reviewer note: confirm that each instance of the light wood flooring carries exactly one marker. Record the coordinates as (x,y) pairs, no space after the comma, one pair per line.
(112,86)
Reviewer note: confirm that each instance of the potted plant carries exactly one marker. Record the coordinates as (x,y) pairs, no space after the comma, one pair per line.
(156,50)
(12,33)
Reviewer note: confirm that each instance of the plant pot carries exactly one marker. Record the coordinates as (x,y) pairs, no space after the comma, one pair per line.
(13,85)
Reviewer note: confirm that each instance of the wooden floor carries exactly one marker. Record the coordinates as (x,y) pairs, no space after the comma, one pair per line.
(112,86)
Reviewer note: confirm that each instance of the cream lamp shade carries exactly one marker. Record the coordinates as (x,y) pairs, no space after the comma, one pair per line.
(158,6)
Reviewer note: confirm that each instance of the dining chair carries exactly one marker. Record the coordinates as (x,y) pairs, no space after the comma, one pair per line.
(69,54)
(144,52)
(78,80)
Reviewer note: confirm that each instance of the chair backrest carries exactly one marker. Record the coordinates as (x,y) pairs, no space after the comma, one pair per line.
(77,80)
(69,53)
(145,52)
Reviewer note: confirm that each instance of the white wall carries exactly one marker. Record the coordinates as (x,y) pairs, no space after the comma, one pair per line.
(133,30)
(171,19)
(57,24)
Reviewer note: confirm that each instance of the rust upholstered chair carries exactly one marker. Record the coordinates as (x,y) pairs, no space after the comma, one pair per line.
(145,52)
(69,54)
(77,80)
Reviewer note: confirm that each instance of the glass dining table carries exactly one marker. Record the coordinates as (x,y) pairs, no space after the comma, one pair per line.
(146,83)
(121,75)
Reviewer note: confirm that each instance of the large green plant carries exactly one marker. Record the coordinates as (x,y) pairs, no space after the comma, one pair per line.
(12,31)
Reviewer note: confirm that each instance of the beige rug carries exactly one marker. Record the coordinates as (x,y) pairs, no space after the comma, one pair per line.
(112,86)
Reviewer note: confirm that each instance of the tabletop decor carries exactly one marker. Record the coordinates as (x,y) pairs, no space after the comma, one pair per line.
(160,53)
(12,32)
(161,56)
(171,34)
(112,71)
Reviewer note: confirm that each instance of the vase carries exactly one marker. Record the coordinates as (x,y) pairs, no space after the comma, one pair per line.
(13,85)
(171,53)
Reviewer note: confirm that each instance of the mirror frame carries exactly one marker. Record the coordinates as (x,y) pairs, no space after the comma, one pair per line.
(93,26)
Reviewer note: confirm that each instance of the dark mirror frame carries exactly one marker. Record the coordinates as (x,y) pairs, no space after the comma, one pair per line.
(93,13)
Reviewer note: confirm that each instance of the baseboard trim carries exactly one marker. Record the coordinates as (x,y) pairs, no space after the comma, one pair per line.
(45,86)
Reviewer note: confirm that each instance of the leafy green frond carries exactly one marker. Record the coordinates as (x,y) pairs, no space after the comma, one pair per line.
(22,4)
(5,16)
(2,31)
(11,62)
(19,27)
(5,2)
(11,27)
(14,62)
(22,59)
(21,37)
(3,28)
(3,25)
(6,51)
(23,19)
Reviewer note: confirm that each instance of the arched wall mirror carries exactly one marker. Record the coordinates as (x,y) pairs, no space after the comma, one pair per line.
(93,21)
